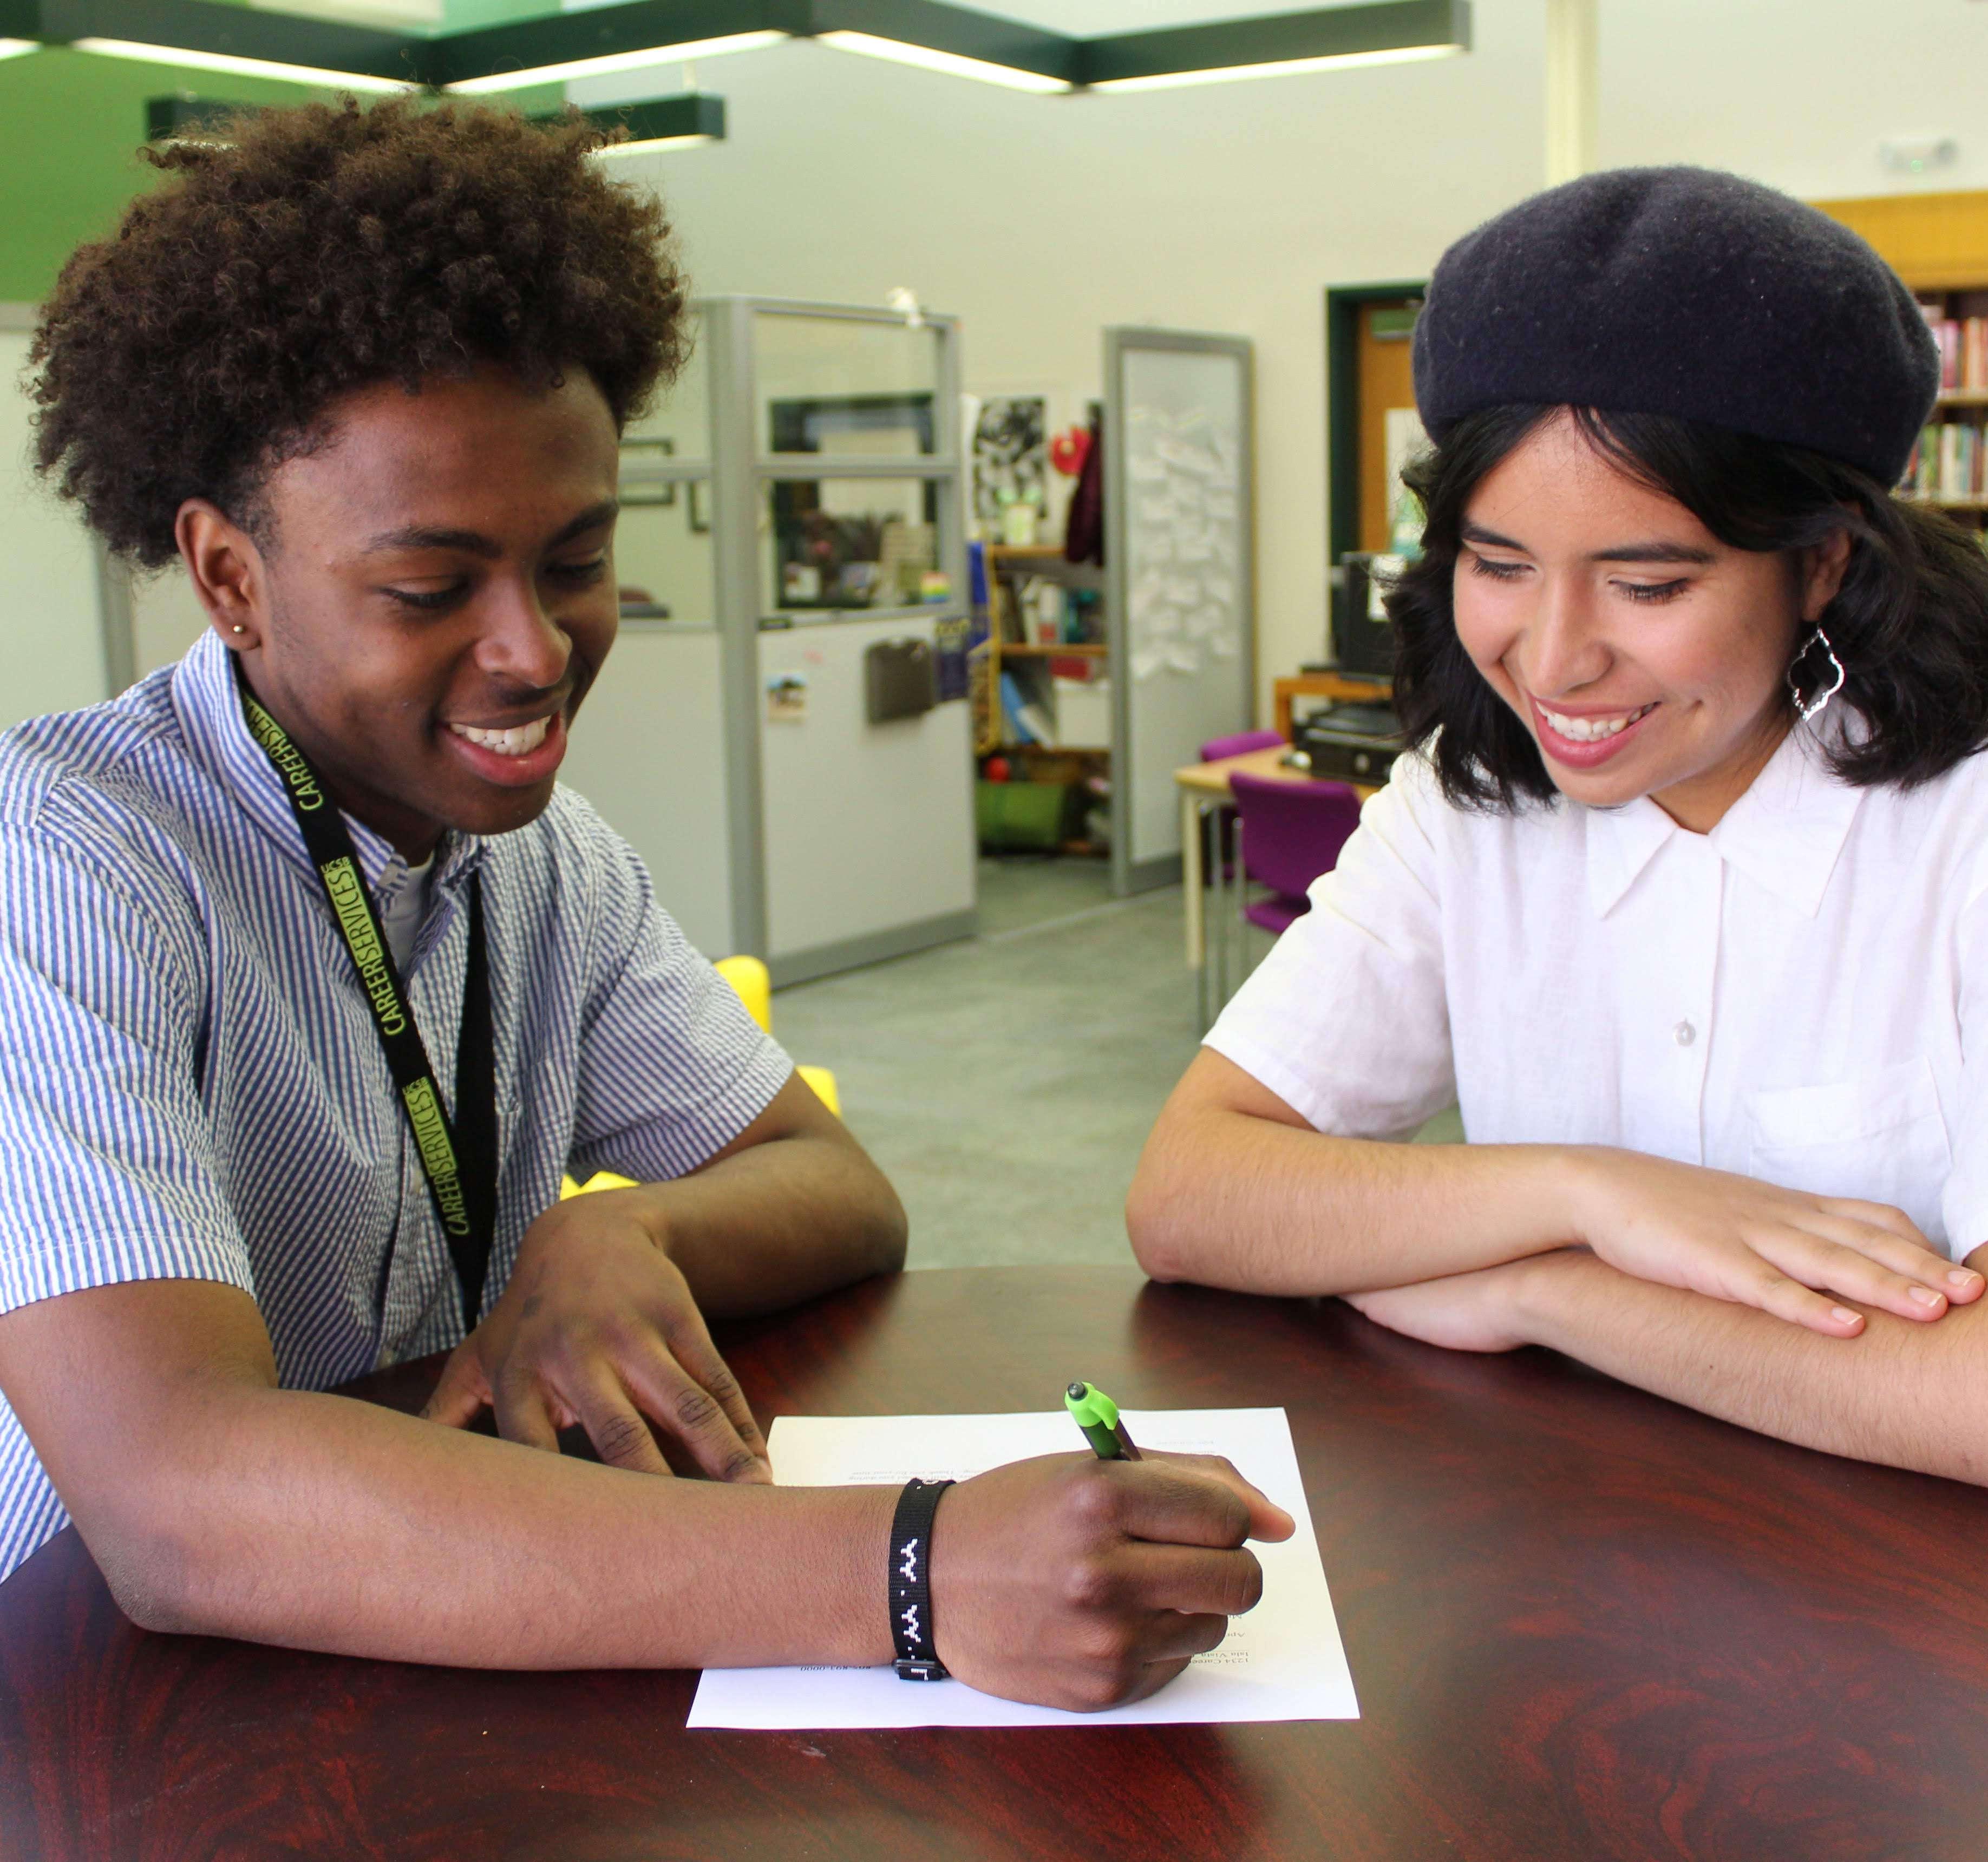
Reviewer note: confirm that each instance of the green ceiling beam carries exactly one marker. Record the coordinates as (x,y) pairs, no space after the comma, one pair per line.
(1385,28)
(628,33)
(933,26)
(691,116)
(206,27)
(636,27)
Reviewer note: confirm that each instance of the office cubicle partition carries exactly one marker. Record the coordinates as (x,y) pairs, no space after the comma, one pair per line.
(795,500)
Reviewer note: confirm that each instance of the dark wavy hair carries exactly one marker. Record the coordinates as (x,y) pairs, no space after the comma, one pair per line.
(1909,623)
(316,250)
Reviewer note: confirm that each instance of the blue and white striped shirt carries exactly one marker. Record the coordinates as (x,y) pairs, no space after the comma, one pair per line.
(190,1084)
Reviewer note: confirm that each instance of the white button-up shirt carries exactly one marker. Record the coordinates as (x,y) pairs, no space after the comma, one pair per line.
(1800,995)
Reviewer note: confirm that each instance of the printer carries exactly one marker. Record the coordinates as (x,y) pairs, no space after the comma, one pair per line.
(1348,743)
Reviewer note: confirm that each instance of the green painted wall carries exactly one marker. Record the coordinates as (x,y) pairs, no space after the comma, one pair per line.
(70,127)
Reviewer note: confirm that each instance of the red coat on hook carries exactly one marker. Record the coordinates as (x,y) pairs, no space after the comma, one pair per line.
(1069,451)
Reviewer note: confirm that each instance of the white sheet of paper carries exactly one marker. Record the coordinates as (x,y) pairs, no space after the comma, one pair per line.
(1281,1661)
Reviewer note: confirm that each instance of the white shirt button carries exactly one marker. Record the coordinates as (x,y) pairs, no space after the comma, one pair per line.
(1684,1034)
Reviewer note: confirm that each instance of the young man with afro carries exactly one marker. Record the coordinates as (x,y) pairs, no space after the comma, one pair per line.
(316,985)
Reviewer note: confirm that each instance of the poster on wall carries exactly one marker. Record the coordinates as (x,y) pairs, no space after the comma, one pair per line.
(1011,463)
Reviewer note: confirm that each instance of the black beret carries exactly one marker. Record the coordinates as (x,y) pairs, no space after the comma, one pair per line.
(1684,291)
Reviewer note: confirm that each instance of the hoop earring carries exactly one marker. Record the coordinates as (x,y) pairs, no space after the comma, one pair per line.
(1813,708)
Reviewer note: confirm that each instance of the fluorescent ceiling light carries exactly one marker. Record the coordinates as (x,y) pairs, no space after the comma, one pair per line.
(615,61)
(239,67)
(615,150)
(951,62)
(1223,74)
(18,47)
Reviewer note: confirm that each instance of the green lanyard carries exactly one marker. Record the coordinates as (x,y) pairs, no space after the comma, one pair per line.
(458,1155)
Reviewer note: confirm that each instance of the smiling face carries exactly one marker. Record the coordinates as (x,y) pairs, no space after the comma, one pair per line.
(1645,656)
(437,595)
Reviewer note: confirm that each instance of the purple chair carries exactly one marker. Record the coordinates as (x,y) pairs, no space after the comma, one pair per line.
(1292,833)
(1221,843)
(1240,744)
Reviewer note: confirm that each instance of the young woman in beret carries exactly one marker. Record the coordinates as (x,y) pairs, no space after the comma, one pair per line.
(1683,894)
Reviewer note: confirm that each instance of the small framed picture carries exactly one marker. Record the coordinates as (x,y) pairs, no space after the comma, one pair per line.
(786,697)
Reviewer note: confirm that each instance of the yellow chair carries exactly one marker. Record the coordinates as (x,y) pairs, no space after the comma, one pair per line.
(748,976)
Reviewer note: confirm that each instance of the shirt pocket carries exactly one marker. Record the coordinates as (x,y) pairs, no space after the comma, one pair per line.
(1879,1137)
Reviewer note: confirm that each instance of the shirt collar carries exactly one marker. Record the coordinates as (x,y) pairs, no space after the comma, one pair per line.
(1786,834)
(209,706)
(1787,831)
(1621,842)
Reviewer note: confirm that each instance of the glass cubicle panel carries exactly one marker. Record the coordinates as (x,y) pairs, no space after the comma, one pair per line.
(849,543)
(1179,562)
(844,385)
(663,556)
(677,424)
(1185,529)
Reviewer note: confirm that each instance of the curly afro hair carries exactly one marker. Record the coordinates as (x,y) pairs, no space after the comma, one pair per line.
(323,249)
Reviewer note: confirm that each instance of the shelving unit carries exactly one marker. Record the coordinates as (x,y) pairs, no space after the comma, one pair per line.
(1175,629)
(1010,568)
(1949,471)
(1938,243)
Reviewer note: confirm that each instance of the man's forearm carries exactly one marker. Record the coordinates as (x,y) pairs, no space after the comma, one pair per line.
(778,1223)
(322,1522)
(1909,1395)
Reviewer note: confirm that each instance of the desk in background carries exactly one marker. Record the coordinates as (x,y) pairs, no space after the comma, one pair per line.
(1586,1626)
(1204,791)
(1332,686)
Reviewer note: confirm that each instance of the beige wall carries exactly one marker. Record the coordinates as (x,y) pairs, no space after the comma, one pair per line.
(1232,207)
(1228,207)
(51,632)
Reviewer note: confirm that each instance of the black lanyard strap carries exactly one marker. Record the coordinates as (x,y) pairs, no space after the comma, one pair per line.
(458,1155)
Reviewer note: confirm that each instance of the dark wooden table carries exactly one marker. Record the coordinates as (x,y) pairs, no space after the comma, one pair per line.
(1584,1623)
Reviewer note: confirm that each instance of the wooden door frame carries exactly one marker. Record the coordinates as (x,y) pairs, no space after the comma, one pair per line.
(1342,306)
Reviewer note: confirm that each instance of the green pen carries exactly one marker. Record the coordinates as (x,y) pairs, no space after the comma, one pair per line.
(1095,1413)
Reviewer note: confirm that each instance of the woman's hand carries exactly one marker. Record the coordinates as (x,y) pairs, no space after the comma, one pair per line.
(597,1326)
(1472,1312)
(1783,1251)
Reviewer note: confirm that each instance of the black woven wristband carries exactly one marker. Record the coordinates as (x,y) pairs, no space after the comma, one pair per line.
(911,1582)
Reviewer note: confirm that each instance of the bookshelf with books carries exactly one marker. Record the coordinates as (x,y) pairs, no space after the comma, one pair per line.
(1044,654)
(1950,466)
(1937,242)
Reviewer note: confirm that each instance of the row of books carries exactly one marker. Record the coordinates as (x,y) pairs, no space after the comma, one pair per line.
(1950,460)
(1963,348)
